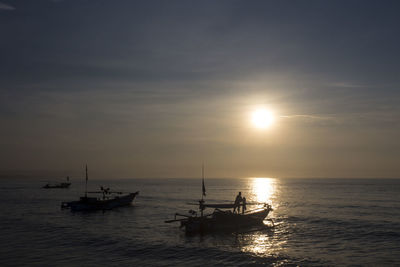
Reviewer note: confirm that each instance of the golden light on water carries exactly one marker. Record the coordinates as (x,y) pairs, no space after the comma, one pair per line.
(262,189)
(262,242)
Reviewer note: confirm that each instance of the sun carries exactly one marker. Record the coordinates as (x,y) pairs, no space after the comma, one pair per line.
(262,118)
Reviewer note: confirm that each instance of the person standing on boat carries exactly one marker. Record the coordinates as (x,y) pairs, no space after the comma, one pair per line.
(237,202)
(244,205)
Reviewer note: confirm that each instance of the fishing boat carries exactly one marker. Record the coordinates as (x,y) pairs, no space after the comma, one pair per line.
(59,185)
(222,219)
(108,200)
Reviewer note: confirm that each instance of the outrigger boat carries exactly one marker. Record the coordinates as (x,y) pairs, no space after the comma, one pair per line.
(222,219)
(60,185)
(109,200)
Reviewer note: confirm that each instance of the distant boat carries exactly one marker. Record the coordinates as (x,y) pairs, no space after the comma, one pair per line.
(108,200)
(220,220)
(59,185)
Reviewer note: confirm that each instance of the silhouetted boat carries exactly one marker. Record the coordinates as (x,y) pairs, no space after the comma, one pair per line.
(220,220)
(60,185)
(108,200)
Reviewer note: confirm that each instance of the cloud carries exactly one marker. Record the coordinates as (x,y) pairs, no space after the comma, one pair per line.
(347,85)
(6,7)
(317,120)
(374,119)
(313,117)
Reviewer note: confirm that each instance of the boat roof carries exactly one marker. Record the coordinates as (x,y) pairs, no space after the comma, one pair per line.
(220,206)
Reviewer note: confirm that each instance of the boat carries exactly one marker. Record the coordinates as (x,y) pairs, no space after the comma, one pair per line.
(108,200)
(222,219)
(59,185)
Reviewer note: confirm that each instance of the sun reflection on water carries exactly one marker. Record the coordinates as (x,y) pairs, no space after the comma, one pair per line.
(262,244)
(262,189)
(264,241)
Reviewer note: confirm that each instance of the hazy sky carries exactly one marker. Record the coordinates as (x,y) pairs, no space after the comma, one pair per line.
(154,88)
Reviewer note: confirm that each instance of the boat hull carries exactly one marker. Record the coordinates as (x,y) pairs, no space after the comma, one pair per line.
(224,221)
(62,185)
(93,204)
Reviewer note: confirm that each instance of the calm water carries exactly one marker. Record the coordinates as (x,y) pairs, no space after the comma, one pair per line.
(327,222)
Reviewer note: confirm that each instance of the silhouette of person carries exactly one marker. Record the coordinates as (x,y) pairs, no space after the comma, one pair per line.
(244,205)
(237,202)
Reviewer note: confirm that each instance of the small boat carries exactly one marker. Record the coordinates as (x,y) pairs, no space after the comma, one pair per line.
(60,185)
(222,219)
(108,200)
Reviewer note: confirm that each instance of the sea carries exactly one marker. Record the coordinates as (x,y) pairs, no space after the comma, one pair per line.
(316,222)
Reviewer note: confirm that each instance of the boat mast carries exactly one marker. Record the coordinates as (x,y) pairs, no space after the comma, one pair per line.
(203,187)
(86,182)
(203,191)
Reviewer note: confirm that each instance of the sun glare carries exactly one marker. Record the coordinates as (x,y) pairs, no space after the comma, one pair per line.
(262,118)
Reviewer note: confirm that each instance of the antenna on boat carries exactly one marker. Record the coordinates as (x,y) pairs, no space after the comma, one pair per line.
(201,202)
(86,182)
(203,186)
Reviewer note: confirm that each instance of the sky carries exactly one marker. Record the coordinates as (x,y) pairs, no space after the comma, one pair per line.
(155,88)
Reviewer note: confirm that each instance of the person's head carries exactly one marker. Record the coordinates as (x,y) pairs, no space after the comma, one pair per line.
(244,198)
(240,193)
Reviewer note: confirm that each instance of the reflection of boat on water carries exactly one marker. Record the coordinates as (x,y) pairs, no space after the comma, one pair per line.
(108,200)
(60,185)
(222,219)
